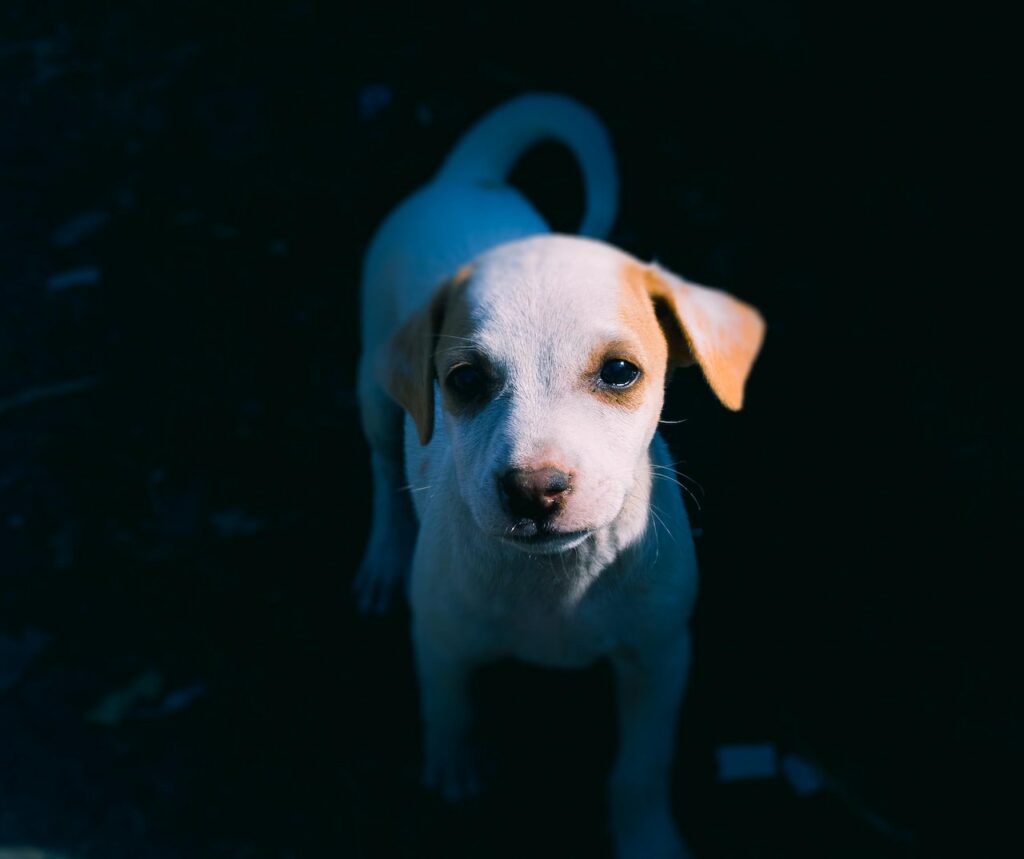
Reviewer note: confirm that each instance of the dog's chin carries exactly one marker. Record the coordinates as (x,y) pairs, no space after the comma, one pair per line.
(546,542)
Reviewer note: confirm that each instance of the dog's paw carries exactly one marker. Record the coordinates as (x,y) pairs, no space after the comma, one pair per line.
(654,837)
(380,580)
(652,844)
(453,768)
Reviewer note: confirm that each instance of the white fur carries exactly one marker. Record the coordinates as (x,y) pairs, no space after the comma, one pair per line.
(621,583)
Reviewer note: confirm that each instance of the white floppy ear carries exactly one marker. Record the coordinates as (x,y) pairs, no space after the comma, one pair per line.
(405,365)
(718,332)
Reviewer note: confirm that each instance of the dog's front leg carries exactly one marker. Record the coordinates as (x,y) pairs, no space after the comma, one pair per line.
(450,759)
(649,691)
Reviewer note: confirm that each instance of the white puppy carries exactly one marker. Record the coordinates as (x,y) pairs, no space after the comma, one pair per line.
(531,368)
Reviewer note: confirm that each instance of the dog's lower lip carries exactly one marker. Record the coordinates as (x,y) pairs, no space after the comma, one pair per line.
(545,536)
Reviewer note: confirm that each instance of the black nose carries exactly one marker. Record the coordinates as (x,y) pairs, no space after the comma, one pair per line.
(534,494)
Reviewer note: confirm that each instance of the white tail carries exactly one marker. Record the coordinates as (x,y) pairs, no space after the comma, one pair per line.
(489,150)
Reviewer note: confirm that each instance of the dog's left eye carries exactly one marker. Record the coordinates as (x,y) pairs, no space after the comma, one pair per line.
(618,373)
(467,381)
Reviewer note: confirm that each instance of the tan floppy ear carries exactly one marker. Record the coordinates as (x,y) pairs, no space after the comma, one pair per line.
(405,366)
(718,332)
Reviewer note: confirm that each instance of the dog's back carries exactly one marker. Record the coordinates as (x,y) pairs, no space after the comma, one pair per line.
(468,207)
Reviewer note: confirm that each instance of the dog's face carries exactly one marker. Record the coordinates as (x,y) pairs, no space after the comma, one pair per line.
(551,356)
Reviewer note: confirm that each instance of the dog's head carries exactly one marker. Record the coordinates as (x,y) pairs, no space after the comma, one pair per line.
(551,354)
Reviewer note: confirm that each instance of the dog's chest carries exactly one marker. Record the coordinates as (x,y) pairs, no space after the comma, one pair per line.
(560,635)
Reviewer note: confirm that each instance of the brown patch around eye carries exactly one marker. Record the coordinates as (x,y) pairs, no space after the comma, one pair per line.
(630,397)
(455,348)
(646,346)
(467,382)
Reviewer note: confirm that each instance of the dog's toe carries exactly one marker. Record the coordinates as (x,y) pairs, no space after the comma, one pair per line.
(456,775)
(656,838)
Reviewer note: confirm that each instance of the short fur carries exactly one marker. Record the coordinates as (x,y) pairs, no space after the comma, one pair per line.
(466,272)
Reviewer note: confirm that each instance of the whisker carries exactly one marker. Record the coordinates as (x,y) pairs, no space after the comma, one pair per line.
(682,486)
(654,512)
(470,340)
(670,478)
(675,472)
(657,540)
(450,349)
(692,480)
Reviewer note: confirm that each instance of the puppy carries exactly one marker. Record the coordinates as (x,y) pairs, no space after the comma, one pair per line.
(534,513)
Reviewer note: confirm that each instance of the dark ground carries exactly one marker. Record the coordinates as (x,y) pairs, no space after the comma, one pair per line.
(182,672)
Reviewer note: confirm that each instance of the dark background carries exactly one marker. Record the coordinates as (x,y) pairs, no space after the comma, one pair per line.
(182,672)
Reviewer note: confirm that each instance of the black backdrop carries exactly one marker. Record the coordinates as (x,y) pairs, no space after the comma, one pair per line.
(182,672)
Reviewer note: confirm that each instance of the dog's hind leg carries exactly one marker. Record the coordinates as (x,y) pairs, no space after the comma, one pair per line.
(384,570)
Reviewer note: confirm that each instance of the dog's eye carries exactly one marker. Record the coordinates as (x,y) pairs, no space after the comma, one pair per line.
(467,381)
(618,373)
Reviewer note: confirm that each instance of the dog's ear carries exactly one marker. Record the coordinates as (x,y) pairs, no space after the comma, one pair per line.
(708,327)
(405,366)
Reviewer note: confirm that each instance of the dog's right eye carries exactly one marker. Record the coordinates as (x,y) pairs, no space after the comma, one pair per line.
(618,373)
(467,381)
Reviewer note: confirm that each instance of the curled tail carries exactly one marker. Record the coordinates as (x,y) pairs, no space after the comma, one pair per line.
(489,150)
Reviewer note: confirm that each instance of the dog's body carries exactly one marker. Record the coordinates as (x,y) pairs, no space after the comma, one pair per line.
(545,531)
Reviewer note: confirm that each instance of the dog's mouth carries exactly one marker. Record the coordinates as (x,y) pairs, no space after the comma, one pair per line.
(529,536)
